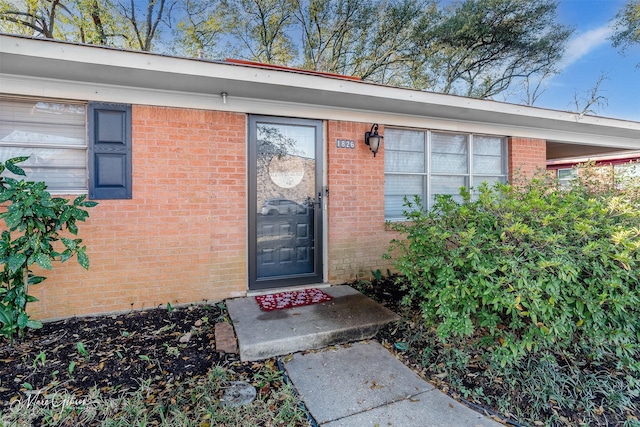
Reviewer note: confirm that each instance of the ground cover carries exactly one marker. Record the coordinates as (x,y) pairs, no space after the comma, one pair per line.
(137,369)
(545,389)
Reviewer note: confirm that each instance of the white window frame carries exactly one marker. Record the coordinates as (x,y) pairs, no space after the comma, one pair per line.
(470,176)
(565,181)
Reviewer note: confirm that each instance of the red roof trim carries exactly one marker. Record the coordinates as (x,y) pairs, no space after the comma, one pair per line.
(618,159)
(283,68)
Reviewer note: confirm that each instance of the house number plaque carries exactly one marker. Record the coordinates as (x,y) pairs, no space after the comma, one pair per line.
(345,143)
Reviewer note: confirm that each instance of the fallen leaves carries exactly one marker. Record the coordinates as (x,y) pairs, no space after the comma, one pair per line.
(115,352)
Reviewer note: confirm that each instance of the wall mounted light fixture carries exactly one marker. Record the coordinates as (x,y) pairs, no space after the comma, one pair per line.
(373,139)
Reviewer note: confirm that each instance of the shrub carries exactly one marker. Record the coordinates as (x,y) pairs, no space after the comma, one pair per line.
(528,268)
(34,223)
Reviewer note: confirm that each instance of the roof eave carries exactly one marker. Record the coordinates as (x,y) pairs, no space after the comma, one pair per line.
(45,58)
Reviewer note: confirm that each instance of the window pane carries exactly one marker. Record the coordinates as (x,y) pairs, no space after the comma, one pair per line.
(396,187)
(452,163)
(567,173)
(69,179)
(52,134)
(448,170)
(447,184)
(400,185)
(47,157)
(404,161)
(405,140)
(449,153)
(627,170)
(487,145)
(449,143)
(487,164)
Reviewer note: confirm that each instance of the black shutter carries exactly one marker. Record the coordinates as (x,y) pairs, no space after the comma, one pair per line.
(109,151)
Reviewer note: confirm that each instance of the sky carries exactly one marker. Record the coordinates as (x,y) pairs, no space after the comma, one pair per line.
(589,55)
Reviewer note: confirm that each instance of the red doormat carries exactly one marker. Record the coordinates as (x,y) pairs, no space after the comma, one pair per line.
(291,299)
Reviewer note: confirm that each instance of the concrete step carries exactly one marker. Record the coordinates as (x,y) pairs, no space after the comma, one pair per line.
(350,316)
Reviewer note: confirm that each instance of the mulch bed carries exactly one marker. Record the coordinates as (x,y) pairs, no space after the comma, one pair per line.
(113,353)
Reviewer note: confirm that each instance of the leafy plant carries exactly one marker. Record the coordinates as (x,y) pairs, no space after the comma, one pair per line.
(35,222)
(529,267)
(41,357)
(81,349)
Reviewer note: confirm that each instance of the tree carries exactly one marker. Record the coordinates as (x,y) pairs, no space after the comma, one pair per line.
(534,86)
(143,23)
(480,48)
(589,103)
(83,21)
(627,26)
(95,23)
(357,37)
(260,30)
(37,18)
(201,28)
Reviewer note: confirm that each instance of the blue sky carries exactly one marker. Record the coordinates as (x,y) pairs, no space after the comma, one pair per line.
(589,55)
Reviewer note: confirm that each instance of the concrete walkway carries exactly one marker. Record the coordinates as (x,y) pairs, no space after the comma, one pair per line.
(363,384)
(345,385)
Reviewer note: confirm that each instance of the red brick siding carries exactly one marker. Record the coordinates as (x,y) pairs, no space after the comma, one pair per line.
(357,237)
(526,157)
(183,236)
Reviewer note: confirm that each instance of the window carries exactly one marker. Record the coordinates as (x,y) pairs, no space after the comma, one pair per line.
(566,175)
(53,134)
(74,147)
(426,163)
(628,170)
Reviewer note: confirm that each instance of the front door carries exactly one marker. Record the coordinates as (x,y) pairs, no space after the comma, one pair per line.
(285,202)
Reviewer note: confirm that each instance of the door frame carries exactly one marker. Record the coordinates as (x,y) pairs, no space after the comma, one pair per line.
(317,276)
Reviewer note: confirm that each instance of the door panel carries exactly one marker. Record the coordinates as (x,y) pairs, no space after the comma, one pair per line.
(285,202)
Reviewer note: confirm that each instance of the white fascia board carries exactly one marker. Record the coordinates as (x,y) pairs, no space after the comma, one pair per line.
(66,70)
(83,91)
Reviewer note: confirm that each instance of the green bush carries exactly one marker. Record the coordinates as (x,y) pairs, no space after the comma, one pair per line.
(526,268)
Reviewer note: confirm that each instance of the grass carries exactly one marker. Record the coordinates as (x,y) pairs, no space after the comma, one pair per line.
(194,403)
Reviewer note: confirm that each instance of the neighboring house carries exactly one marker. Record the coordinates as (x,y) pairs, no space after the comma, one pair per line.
(567,169)
(184,154)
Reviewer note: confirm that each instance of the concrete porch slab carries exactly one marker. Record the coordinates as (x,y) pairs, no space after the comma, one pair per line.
(350,316)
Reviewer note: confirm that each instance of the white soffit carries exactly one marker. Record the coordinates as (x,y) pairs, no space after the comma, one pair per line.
(39,59)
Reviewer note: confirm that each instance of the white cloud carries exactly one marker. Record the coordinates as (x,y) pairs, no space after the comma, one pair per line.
(584,43)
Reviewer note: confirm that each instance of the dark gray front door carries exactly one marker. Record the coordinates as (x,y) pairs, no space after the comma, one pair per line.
(285,202)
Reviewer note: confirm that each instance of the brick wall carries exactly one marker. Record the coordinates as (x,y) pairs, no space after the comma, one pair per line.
(526,157)
(183,236)
(357,236)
